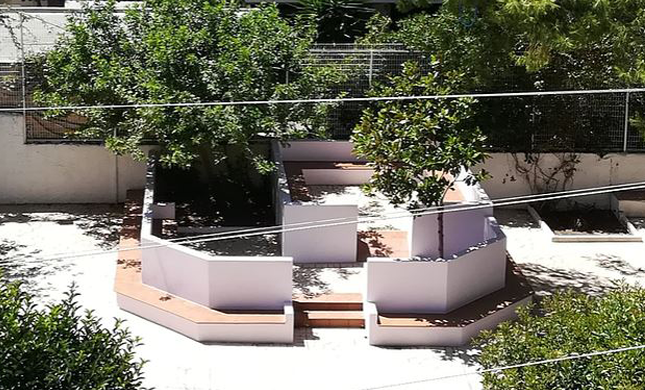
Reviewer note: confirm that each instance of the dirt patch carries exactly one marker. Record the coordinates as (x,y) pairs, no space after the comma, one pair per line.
(586,222)
(226,201)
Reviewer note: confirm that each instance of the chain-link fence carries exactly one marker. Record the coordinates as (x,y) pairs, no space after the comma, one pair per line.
(595,123)
(364,66)
(22,35)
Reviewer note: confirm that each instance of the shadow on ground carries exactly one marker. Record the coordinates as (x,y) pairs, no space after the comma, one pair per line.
(616,263)
(547,280)
(308,281)
(101,222)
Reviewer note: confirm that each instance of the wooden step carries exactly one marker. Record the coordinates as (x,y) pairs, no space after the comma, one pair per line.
(330,319)
(329,302)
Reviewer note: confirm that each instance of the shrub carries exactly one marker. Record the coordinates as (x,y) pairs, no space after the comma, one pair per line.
(570,323)
(56,348)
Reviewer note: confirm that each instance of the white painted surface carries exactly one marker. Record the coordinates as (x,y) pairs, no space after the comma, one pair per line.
(632,208)
(334,151)
(426,286)
(344,177)
(219,282)
(183,272)
(465,228)
(250,282)
(332,244)
(432,336)
(423,237)
(476,273)
(592,171)
(403,286)
(31,173)
(461,230)
(219,332)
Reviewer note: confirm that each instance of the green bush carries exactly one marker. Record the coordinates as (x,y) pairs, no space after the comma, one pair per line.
(570,323)
(56,348)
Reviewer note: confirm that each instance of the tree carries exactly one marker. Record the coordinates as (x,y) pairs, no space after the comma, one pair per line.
(418,148)
(57,348)
(537,45)
(169,51)
(570,323)
(337,21)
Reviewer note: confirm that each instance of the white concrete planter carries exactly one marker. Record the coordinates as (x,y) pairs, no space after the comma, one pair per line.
(632,236)
(438,285)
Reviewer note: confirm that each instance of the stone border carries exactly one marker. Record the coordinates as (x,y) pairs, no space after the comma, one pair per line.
(632,236)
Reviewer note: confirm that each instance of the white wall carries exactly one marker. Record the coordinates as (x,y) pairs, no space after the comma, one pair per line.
(332,244)
(434,335)
(337,177)
(59,173)
(413,286)
(335,151)
(257,332)
(250,282)
(180,271)
(592,171)
(219,282)
(461,230)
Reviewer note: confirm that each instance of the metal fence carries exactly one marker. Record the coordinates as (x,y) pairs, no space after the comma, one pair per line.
(593,123)
(598,123)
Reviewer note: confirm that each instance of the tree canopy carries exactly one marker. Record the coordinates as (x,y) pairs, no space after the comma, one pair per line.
(538,45)
(169,51)
(568,43)
(419,147)
(570,323)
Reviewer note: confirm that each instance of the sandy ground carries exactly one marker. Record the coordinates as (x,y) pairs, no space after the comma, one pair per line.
(319,360)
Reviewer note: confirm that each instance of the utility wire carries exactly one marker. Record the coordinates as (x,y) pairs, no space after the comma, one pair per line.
(277,229)
(573,356)
(325,100)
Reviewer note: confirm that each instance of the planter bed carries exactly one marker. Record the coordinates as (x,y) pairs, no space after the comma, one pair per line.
(593,225)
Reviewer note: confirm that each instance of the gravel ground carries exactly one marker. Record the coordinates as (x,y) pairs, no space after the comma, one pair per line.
(321,359)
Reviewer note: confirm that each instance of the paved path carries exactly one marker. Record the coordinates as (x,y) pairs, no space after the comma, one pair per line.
(588,267)
(322,359)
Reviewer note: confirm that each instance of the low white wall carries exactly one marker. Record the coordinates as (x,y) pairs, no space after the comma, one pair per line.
(214,332)
(280,193)
(329,177)
(433,336)
(184,273)
(219,282)
(332,244)
(334,151)
(592,171)
(462,229)
(476,273)
(61,173)
(418,286)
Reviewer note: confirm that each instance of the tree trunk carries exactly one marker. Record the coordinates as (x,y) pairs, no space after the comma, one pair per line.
(440,231)
(206,162)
